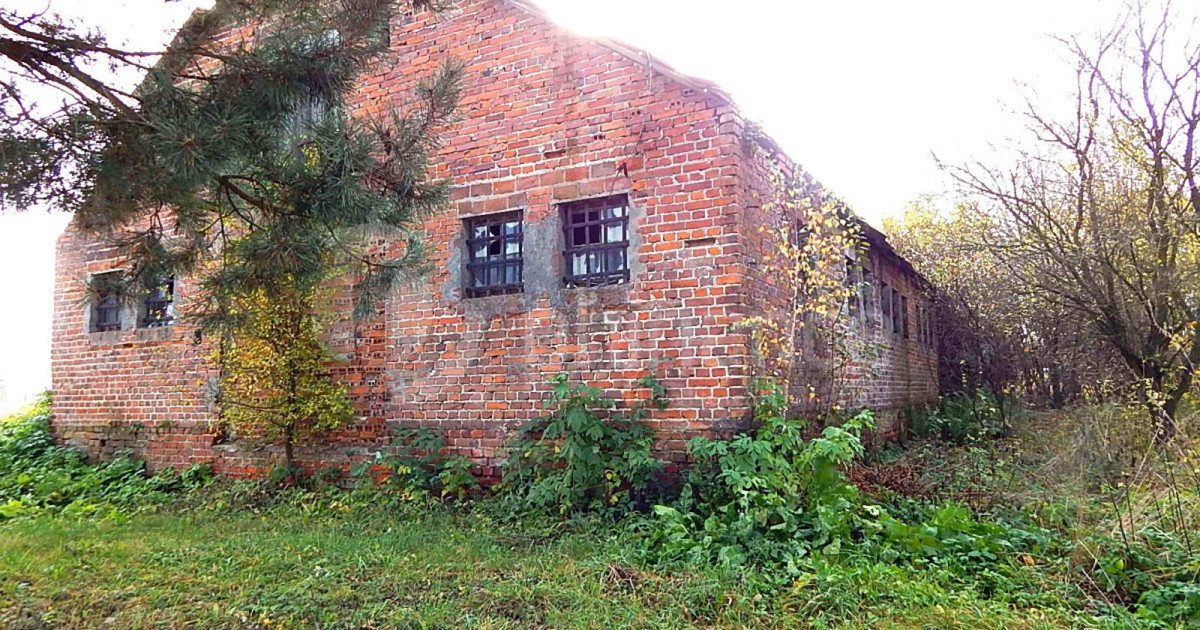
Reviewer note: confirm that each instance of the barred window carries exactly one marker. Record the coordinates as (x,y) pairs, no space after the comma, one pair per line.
(597,239)
(495,248)
(106,306)
(158,306)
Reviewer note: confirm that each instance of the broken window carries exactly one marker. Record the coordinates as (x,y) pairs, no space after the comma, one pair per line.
(597,241)
(158,306)
(106,304)
(495,246)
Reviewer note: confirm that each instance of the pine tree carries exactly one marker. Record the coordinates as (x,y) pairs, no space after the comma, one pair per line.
(238,165)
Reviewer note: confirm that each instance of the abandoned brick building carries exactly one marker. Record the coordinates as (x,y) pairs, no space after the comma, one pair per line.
(605,225)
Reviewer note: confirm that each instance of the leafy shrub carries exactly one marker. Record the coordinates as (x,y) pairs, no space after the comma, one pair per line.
(963,418)
(780,503)
(769,497)
(37,476)
(586,455)
(1158,572)
(416,464)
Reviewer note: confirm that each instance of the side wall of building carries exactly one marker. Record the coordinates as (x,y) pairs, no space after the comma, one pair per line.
(896,368)
(880,368)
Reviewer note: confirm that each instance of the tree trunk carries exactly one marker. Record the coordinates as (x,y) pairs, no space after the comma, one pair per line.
(289,457)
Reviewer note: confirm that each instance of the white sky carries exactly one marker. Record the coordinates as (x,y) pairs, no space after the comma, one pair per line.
(860,92)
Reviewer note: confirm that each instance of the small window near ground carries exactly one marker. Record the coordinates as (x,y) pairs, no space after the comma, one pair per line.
(597,241)
(495,245)
(106,305)
(158,307)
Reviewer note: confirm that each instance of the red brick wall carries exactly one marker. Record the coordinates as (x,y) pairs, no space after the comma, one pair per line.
(546,117)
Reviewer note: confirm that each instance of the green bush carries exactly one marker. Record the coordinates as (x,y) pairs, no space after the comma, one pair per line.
(780,503)
(962,418)
(418,466)
(37,476)
(586,456)
(770,497)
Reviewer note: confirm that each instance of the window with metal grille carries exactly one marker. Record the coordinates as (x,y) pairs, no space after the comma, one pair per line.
(106,311)
(158,306)
(495,247)
(597,239)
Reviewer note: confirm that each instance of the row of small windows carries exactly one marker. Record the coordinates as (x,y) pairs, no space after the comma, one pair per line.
(596,233)
(155,310)
(596,253)
(893,306)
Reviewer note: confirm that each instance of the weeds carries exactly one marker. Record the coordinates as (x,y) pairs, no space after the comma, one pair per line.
(586,455)
(37,476)
(417,465)
(767,530)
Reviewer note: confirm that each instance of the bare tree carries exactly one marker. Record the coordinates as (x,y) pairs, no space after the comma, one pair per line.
(1099,215)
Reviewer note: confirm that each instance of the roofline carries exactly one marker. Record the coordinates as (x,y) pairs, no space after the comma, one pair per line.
(636,55)
(879,242)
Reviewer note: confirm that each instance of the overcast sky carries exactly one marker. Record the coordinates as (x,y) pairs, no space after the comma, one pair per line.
(860,92)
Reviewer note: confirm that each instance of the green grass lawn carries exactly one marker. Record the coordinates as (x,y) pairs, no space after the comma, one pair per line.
(282,568)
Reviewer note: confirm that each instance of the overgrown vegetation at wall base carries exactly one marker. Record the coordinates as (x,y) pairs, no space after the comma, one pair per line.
(767,532)
(417,465)
(769,497)
(781,503)
(37,476)
(586,455)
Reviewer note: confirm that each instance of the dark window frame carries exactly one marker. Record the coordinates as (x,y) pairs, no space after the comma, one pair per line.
(107,310)
(158,305)
(897,312)
(885,306)
(594,226)
(904,316)
(853,282)
(502,261)
(865,294)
